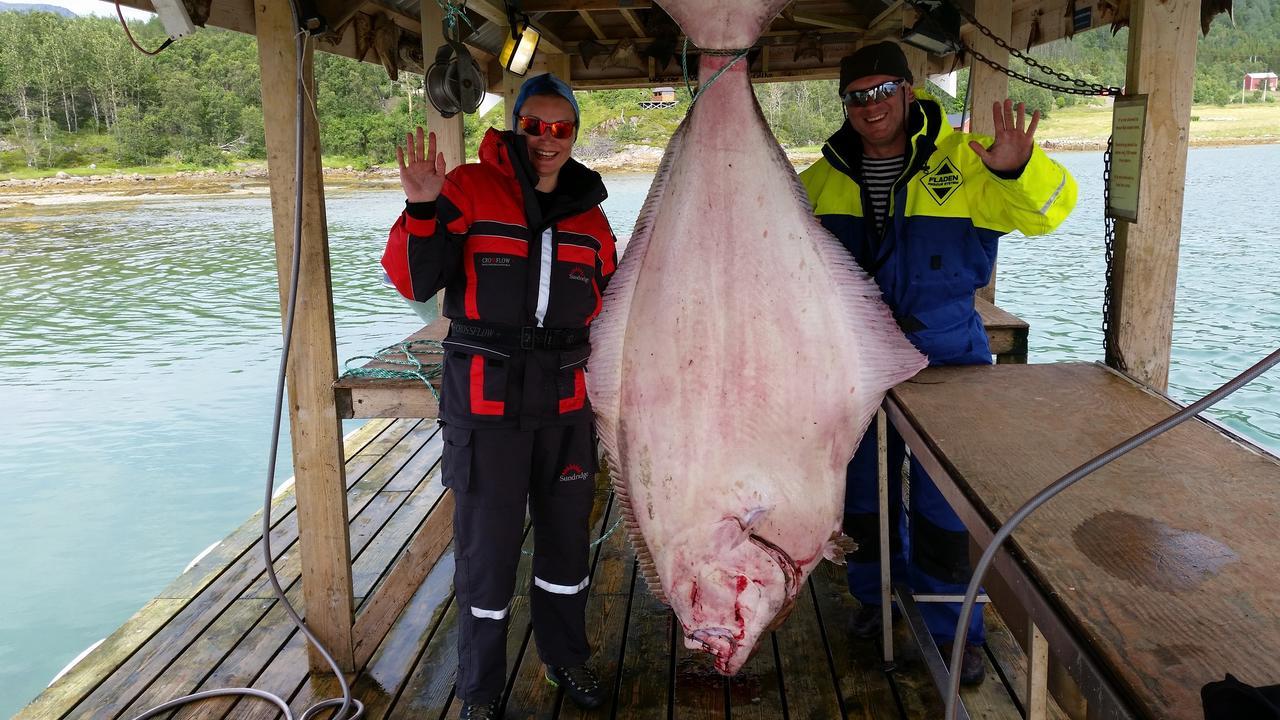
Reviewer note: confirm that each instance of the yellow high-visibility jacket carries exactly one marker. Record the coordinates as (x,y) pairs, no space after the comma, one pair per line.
(946,214)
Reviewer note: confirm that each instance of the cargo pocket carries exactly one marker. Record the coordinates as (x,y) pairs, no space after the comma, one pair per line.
(571,379)
(455,459)
(475,380)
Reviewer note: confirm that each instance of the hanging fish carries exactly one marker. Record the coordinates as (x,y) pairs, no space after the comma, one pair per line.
(1211,8)
(624,56)
(364,35)
(739,357)
(808,45)
(1033,37)
(386,43)
(1070,14)
(661,50)
(589,49)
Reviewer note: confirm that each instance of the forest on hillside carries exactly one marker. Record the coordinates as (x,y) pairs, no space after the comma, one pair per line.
(73,91)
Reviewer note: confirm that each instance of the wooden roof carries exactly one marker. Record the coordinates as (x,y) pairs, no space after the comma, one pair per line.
(805,42)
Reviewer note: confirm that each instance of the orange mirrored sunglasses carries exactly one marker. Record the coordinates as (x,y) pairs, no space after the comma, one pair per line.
(561,129)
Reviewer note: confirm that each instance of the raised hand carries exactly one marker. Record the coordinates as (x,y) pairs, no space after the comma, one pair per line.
(1013,141)
(422,175)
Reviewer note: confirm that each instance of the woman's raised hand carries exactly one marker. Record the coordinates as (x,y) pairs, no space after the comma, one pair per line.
(422,169)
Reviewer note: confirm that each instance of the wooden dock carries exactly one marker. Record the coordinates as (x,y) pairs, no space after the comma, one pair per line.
(218,625)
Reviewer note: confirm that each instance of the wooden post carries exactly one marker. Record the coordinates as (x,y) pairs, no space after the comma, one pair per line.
(449,137)
(1037,705)
(313,366)
(1162,62)
(988,86)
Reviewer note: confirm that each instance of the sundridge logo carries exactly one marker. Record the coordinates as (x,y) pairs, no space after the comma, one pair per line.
(573,473)
(495,261)
(943,181)
(580,275)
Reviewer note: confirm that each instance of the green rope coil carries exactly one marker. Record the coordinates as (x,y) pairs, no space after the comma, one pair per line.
(403,354)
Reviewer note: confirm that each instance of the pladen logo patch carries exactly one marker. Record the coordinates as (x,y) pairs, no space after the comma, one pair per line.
(573,473)
(943,181)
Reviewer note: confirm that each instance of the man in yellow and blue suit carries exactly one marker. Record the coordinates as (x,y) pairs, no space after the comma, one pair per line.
(922,208)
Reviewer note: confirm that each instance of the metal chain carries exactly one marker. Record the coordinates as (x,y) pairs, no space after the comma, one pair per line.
(1077,87)
(1109,237)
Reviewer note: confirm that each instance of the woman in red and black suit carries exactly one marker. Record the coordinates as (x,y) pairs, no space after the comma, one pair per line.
(523,252)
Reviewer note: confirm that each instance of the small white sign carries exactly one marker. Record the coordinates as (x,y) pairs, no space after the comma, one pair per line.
(1128,122)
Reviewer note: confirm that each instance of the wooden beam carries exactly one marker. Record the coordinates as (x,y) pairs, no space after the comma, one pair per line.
(827,21)
(580,5)
(1162,63)
(337,12)
(313,366)
(494,12)
(988,86)
(591,23)
(633,21)
(449,134)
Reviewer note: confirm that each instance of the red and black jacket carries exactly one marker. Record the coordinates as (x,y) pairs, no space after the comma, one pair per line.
(509,262)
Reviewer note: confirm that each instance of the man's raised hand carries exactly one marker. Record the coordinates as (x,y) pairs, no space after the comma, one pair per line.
(1014,140)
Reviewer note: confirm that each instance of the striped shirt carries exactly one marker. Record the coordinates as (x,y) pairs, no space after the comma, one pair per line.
(878,176)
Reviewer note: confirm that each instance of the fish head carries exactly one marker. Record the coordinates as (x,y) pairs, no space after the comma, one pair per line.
(728,587)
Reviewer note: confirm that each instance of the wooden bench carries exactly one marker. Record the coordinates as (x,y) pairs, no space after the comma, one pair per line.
(1149,578)
(1006,332)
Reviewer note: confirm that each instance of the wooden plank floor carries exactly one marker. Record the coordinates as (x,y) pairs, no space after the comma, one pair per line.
(218,625)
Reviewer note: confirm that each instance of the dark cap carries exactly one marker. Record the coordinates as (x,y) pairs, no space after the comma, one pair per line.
(882,58)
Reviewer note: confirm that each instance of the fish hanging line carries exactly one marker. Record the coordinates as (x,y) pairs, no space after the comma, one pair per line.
(684,67)
(405,354)
(1070,86)
(453,11)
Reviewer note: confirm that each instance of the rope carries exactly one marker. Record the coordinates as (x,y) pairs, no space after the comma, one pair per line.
(451,14)
(684,67)
(403,354)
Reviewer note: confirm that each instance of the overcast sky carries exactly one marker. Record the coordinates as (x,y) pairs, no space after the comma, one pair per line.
(92,7)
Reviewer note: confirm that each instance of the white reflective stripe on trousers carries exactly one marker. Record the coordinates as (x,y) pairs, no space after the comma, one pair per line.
(561,589)
(544,278)
(491,614)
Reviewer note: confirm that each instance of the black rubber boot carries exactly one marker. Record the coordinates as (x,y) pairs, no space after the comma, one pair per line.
(580,684)
(973,669)
(487,711)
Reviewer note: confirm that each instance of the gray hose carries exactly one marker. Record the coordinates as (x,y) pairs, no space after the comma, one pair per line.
(1066,481)
(346,701)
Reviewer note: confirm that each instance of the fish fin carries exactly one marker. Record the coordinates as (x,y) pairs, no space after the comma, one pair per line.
(838,546)
(644,558)
(608,331)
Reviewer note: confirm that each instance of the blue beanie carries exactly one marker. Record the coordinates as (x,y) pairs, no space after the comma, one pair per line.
(546,84)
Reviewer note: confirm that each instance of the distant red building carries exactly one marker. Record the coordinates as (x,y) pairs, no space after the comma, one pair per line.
(1260,81)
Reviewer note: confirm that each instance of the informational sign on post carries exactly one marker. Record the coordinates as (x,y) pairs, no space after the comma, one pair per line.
(1128,120)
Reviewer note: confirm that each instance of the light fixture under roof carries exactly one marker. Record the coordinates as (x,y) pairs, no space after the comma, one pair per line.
(522,42)
(937,30)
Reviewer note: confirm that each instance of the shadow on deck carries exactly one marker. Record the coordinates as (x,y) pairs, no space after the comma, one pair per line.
(218,625)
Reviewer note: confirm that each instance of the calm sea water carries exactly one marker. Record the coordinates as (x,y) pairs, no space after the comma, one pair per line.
(138,346)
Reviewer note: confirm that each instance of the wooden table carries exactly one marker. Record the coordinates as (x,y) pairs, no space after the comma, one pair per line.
(1153,576)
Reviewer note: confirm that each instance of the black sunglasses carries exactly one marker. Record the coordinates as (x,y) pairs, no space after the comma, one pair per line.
(873,95)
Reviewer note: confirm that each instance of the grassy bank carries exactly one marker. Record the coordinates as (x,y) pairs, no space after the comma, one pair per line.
(1210,125)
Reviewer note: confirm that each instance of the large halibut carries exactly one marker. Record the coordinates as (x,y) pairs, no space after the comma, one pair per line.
(740,355)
